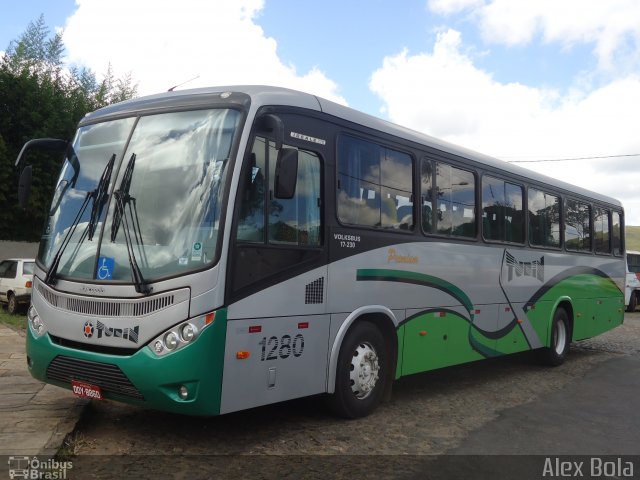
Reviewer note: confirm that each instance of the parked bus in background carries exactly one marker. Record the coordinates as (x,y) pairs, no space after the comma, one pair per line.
(213,250)
(632,285)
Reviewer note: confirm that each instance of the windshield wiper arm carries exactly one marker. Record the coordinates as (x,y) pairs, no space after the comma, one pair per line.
(140,285)
(123,199)
(53,269)
(125,186)
(97,195)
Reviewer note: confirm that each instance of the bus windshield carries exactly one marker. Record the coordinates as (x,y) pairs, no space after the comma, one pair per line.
(166,197)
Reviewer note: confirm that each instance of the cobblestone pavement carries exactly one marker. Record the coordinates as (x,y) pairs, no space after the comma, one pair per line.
(34,417)
(430,414)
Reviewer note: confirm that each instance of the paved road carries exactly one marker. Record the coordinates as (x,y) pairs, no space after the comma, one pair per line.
(598,414)
(34,417)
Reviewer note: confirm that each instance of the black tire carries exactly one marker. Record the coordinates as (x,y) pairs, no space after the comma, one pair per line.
(363,355)
(633,302)
(12,304)
(557,351)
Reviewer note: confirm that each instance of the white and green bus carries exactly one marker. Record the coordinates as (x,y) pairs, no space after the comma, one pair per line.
(213,250)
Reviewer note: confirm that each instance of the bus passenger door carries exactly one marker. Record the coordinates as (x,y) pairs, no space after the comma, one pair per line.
(276,285)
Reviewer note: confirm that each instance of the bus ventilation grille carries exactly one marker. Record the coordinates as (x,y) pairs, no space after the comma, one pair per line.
(106,308)
(314,292)
(108,377)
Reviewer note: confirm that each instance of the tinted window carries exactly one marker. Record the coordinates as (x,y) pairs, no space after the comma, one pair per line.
(455,203)
(616,234)
(601,230)
(374,185)
(296,220)
(502,215)
(426,192)
(291,221)
(577,226)
(8,269)
(544,219)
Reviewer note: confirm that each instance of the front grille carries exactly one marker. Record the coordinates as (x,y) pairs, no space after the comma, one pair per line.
(108,377)
(89,347)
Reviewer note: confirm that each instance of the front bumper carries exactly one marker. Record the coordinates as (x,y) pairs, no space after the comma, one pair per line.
(142,378)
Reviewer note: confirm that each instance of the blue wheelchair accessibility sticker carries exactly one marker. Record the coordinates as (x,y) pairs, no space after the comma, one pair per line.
(105,268)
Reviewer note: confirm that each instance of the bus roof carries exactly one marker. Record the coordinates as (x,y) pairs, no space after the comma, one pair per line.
(259,95)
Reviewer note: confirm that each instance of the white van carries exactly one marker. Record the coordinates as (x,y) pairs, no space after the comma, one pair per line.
(16,279)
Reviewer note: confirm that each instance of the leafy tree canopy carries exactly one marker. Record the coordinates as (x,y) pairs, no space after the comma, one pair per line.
(41,96)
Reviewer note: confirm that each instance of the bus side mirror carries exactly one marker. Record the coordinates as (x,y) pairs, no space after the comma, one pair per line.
(286,173)
(24,186)
(48,143)
(273,124)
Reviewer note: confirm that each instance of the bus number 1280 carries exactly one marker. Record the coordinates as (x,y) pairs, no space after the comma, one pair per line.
(283,347)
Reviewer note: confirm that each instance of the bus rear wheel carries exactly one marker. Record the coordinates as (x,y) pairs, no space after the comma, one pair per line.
(556,352)
(361,372)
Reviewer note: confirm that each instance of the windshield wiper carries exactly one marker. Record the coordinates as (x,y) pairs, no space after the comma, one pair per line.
(127,199)
(100,194)
(123,199)
(98,198)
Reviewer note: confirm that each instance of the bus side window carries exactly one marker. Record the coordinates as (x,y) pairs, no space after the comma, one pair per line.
(616,234)
(455,192)
(502,215)
(251,217)
(375,185)
(601,230)
(296,221)
(577,226)
(544,219)
(426,193)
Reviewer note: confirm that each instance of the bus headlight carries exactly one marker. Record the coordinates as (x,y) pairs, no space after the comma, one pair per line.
(171,340)
(35,323)
(181,335)
(188,331)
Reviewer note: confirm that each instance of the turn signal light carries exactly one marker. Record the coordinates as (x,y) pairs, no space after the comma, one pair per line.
(243,355)
(28,284)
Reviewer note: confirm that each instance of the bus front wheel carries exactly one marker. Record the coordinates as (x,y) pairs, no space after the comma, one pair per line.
(556,352)
(361,372)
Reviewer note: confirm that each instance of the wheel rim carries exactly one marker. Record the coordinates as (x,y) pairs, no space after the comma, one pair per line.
(560,337)
(12,304)
(365,370)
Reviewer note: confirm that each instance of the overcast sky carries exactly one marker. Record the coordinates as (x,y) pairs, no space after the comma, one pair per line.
(516,79)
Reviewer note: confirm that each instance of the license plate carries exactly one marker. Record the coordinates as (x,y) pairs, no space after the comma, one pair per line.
(86,390)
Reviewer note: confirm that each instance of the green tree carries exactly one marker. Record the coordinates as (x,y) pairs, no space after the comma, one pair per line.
(41,97)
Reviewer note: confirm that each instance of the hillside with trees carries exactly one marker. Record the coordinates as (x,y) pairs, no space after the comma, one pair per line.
(41,96)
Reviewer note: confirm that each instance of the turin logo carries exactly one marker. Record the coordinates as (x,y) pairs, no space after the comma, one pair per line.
(88,329)
(130,334)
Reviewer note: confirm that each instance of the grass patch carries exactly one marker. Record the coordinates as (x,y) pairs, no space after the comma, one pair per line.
(16,321)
